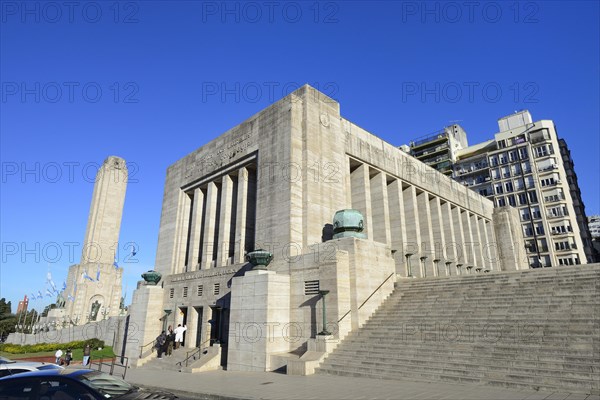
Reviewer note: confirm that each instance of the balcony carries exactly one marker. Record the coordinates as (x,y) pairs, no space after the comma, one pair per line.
(554,198)
(558,215)
(571,246)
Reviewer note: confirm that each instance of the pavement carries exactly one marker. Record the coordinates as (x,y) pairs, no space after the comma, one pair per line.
(229,385)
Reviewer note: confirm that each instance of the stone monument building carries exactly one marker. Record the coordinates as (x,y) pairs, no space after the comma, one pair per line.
(94,285)
(274,182)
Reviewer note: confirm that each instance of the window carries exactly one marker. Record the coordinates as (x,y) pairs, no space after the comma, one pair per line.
(216,289)
(171,293)
(511,200)
(523,153)
(533,196)
(199,290)
(522,198)
(508,186)
(502,144)
(498,188)
(185,291)
(512,155)
(501,202)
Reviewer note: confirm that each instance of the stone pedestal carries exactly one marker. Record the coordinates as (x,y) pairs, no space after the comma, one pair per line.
(144,323)
(260,316)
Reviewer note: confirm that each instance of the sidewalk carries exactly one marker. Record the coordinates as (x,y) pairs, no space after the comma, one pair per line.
(225,385)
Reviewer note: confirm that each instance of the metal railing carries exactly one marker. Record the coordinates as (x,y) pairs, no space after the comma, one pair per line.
(192,354)
(151,344)
(111,365)
(367,299)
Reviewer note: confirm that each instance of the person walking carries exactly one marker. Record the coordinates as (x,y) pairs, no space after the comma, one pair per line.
(170,341)
(179,335)
(68,357)
(160,344)
(58,356)
(87,351)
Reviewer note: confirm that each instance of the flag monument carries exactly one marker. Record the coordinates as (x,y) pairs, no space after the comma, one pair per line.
(96,281)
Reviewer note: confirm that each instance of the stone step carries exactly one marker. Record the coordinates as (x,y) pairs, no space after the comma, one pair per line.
(463,377)
(585,364)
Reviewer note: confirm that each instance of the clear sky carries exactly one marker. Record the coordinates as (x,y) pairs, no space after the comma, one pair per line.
(151,81)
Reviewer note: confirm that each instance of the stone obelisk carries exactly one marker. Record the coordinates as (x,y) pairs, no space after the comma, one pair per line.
(94,285)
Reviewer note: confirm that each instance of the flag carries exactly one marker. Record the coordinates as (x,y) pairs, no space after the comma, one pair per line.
(116,265)
(33,297)
(40,295)
(98,273)
(85,275)
(48,293)
(49,275)
(64,286)
(133,252)
(53,286)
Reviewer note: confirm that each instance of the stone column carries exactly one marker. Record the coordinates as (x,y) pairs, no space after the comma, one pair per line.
(468,236)
(492,245)
(439,238)
(412,240)
(380,208)
(208,245)
(241,214)
(181,232)
(426,232)
(449,234)
(225,221)
(361,197)
(397,224)
(195,229)
(485,247)
(459,235)
(192,327)
(478,246)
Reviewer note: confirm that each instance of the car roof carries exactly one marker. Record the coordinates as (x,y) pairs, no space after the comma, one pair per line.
(50,372)
(20,364)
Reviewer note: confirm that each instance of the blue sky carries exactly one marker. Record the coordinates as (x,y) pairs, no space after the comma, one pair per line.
(151,81)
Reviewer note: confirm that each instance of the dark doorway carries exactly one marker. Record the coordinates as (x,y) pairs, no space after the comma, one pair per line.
(199,310)
(216,322)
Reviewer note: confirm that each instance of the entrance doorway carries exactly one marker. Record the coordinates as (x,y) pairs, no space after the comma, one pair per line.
(199,327)
(184,311)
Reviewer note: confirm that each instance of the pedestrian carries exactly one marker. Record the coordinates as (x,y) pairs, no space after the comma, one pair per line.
(58,356)
(87,351)
(170,340)
(160,344)
(179,335)
(68,357)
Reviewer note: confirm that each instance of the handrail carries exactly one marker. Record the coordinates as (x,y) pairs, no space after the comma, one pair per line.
(112,364)
(194,352)
(367,299)
(146,345)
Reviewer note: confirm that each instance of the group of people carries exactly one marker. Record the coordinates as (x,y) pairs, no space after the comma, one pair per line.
(59,360)
(167,340)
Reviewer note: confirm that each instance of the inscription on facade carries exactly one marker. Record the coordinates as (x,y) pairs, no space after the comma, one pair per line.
(203,274)
(220,155)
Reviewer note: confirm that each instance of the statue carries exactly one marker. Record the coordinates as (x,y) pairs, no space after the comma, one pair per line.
(94,311)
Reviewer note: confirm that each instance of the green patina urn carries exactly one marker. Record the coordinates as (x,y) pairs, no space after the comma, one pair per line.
(259,259)
(348,223)
(152,277)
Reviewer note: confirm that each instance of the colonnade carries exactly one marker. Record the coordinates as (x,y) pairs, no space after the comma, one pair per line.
(216,221)
(428,235)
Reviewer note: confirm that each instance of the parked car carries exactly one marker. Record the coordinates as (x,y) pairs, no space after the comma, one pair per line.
(73,384)
(11,367)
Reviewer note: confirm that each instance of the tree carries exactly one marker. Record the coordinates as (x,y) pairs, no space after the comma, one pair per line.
(5,309)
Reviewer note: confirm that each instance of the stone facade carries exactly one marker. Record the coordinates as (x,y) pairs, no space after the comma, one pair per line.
(275,182)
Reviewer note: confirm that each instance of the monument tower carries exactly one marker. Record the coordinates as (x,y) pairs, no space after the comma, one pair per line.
(94,285)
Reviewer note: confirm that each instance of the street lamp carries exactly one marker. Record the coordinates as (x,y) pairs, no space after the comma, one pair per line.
(324,332)
(105,310)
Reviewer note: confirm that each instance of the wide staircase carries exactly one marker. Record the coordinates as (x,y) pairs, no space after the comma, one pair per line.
(525,329)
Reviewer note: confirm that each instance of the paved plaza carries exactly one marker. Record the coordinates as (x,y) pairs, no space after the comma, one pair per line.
(264,385)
